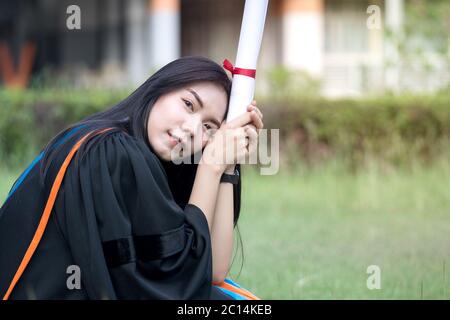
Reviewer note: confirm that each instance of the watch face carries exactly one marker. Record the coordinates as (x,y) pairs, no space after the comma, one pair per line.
(231,178)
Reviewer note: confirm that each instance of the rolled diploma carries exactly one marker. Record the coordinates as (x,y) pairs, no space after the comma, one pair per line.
(252,28)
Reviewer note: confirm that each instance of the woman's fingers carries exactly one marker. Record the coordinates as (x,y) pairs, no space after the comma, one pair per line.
(246,118)
(256,120)
(252,138)
(253,106)
(251,132)
(253,115)
(240,121)
(235,141)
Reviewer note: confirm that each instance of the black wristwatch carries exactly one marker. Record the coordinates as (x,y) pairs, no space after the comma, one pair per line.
(231,178)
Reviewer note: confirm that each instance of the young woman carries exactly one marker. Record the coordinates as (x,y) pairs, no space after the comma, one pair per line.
(121,215)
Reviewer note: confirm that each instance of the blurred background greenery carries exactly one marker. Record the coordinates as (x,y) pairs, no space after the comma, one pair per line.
(392,130)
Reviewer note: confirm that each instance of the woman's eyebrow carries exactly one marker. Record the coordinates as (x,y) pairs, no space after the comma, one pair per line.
(200,102)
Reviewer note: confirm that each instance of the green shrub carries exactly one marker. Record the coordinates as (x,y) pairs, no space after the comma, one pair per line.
(393,130)
(29,119)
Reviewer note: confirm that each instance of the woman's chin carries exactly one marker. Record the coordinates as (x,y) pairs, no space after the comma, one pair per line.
(162,152)
(175,154)
(170,155)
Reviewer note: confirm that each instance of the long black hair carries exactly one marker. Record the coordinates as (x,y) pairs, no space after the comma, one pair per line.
(131,115)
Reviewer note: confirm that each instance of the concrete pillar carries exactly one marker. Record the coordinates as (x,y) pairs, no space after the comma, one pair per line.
(136,41)
(394,12)
(112,41)
(303,35)
(164,25)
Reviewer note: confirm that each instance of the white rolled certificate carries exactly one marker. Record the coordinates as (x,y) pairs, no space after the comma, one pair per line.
(252,28)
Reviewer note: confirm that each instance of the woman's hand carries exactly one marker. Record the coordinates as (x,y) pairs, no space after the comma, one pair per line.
(234,141)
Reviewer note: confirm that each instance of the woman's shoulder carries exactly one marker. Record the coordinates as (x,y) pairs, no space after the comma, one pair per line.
(120,147)
(126,163)
(121,139)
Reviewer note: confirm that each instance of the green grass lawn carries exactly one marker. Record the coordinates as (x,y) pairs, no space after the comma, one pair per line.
(8,176)
(312,234)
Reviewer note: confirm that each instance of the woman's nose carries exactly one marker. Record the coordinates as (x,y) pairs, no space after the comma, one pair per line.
(192,126)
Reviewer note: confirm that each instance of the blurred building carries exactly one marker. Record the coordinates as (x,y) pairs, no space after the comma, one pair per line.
(124,41)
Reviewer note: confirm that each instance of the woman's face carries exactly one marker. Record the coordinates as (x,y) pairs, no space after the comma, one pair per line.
(181,122)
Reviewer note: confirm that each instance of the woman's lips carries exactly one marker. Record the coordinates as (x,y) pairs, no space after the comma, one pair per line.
(173,141)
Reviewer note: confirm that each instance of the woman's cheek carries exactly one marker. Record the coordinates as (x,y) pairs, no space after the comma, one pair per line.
(205,138)
(176,113)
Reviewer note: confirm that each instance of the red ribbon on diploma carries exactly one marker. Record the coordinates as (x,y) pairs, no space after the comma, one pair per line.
(245,72)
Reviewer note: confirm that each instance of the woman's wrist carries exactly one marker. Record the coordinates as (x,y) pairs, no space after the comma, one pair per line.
(230,169)
(215,169)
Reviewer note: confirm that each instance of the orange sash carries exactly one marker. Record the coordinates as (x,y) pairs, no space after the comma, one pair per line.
(46,214)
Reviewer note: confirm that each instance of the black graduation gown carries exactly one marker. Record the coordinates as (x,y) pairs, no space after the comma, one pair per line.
(116,220)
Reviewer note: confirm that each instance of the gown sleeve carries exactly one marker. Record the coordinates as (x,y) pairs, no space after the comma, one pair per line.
(129,237)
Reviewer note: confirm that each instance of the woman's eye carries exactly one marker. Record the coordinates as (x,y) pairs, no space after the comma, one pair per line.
(189,104)
(210,130)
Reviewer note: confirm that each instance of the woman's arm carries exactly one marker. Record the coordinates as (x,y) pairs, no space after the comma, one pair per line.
(205,190)
(216,201)
(218,208)
(222,231)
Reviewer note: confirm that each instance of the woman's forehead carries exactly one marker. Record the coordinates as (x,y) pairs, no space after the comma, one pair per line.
(206,90)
